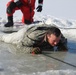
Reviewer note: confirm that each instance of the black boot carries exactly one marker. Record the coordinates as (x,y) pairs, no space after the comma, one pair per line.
(28,22)
(10,22)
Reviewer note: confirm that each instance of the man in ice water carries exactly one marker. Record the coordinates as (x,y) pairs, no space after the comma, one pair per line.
(41,37)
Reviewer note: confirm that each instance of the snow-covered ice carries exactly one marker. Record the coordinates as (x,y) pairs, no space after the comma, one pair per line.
(19,64)
(38,65)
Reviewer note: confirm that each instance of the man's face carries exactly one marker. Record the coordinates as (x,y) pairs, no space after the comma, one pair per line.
(53,40)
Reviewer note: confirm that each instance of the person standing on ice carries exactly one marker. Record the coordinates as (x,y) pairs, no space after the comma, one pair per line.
(27,8)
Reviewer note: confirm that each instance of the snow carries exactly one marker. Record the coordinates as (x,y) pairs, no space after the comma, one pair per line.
(56,72)
(68,28)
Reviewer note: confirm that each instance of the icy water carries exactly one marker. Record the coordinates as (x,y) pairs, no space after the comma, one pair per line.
(48,63)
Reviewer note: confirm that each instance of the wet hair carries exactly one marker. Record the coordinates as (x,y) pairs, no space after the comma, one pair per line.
(54,30)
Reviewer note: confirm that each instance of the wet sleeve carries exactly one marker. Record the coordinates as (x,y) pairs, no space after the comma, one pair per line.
(33,35)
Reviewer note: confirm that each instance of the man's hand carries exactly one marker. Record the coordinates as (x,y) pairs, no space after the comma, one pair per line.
(36,50)
(39,8)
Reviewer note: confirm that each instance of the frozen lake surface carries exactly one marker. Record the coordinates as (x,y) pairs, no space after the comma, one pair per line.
(48,63)
(55,63)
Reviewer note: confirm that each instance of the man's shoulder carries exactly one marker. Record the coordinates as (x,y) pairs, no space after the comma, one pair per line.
(40,27)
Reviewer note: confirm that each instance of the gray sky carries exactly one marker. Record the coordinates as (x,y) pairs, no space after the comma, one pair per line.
(64,9)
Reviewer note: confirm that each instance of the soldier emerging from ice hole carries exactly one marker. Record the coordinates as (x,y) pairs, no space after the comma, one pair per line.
(27,8)
(43,37)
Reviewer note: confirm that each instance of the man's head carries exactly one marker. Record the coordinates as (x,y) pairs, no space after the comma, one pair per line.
(53,36)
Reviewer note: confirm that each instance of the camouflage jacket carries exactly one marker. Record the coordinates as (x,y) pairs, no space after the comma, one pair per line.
(35,35)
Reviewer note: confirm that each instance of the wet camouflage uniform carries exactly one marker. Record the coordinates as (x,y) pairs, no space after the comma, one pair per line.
(34,38)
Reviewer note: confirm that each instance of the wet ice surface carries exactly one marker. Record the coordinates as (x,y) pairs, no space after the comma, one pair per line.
(44,64)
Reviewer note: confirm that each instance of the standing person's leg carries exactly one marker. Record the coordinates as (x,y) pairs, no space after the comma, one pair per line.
(27,15)
(11,7)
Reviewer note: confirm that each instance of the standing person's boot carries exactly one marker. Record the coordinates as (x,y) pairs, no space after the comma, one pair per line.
(10,22)
(28,22)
